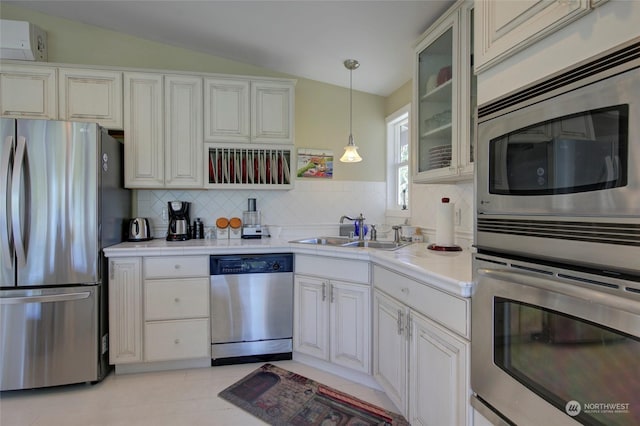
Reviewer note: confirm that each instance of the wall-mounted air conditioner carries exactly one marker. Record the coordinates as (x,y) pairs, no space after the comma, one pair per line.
(22,40)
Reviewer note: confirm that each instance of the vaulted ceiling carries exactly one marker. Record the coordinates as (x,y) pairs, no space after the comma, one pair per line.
(309,39)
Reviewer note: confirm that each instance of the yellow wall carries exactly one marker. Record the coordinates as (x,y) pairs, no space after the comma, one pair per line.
(322,110)
(401,97)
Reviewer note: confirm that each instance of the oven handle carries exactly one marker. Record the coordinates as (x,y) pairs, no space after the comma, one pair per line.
(551,284)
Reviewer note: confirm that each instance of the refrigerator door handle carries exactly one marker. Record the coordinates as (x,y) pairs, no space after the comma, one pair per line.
(15,198)
(66,297)
(5,230)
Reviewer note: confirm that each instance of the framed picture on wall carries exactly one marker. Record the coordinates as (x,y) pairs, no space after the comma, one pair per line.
(315,163)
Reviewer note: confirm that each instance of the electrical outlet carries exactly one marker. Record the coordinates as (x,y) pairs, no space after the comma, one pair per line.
(165,215)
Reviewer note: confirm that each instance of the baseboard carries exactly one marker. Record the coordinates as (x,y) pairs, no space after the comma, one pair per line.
(344,372)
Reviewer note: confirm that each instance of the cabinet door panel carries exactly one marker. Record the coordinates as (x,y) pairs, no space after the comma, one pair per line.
(180,339)
(91,95)
(144,130)
(272,112)
(439,379)
(226,110)
(125,310)
(183,132)
(445,99)
(311,318)
(28,92)
(351,329)
(176,298)
(505,28)
(390,349)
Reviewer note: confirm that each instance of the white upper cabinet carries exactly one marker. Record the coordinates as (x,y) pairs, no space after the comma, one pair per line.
(144,130)
(271,112)
(163,131)
(183,131)
(445,99)
(506,27)
(74,94)
(227,109)
(256,111)
(28,92)
(91,95)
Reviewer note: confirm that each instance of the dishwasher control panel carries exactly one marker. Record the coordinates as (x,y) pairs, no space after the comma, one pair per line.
(251,264)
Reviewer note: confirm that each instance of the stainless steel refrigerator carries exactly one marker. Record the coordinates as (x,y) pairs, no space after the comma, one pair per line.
(61,202)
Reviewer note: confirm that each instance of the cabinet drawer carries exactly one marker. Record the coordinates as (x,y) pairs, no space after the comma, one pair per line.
(333,268)
(180,339)
(176,298)
(176,266)
(450,311)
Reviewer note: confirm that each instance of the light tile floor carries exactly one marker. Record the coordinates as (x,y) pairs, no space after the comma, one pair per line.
(180,397)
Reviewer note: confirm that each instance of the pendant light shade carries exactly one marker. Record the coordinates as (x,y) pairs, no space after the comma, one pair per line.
(351,150)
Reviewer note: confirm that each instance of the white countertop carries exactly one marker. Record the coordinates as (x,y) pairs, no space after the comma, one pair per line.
(449,271)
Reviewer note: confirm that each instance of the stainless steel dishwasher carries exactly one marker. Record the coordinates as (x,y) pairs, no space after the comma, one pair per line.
(251,307)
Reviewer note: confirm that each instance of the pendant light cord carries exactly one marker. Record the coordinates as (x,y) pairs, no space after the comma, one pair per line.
(350,106)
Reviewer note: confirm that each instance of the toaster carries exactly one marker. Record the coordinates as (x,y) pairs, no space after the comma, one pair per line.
(139,229)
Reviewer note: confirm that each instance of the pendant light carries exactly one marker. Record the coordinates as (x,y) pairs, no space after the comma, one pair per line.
(351,150)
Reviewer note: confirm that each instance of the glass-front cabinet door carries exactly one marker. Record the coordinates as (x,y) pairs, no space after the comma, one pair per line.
(444,90)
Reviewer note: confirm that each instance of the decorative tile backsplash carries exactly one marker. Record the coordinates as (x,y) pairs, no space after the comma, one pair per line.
(311,205)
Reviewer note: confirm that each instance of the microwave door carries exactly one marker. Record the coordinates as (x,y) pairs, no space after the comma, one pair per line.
(7,139)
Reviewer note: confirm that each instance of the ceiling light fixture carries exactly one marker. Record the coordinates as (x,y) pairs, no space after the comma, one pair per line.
(351,150)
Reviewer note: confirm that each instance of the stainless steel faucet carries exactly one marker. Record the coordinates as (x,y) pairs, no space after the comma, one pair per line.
(360,220)
(396,235)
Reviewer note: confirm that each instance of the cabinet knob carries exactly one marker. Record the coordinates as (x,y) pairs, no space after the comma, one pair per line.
(177,341)
(177,299)
(177,266)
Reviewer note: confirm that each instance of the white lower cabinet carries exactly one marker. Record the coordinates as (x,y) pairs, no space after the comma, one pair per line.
(158,311)
(438,390)
(176,318)
(332,311)
(125,310)
(390,348)
(332,321)
(176,339)
(422,365)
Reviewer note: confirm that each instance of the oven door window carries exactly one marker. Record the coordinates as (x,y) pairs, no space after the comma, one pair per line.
(575,153)
(563,359)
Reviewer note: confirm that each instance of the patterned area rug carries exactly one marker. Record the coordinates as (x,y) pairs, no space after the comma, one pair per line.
(280,397)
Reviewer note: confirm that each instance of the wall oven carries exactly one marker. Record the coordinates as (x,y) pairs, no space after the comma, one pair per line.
(556,309)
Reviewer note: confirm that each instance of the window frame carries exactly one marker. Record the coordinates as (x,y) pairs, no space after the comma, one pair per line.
(393,164)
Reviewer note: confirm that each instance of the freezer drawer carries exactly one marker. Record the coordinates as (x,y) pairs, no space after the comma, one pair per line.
(48,337)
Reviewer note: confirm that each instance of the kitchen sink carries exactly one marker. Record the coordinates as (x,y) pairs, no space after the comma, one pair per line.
(346,242)
(384,245)
(325,241)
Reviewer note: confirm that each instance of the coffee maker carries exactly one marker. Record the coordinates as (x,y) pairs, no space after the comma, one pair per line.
(178,221)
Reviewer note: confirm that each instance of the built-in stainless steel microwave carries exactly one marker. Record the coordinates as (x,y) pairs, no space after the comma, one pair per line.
(561,161)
